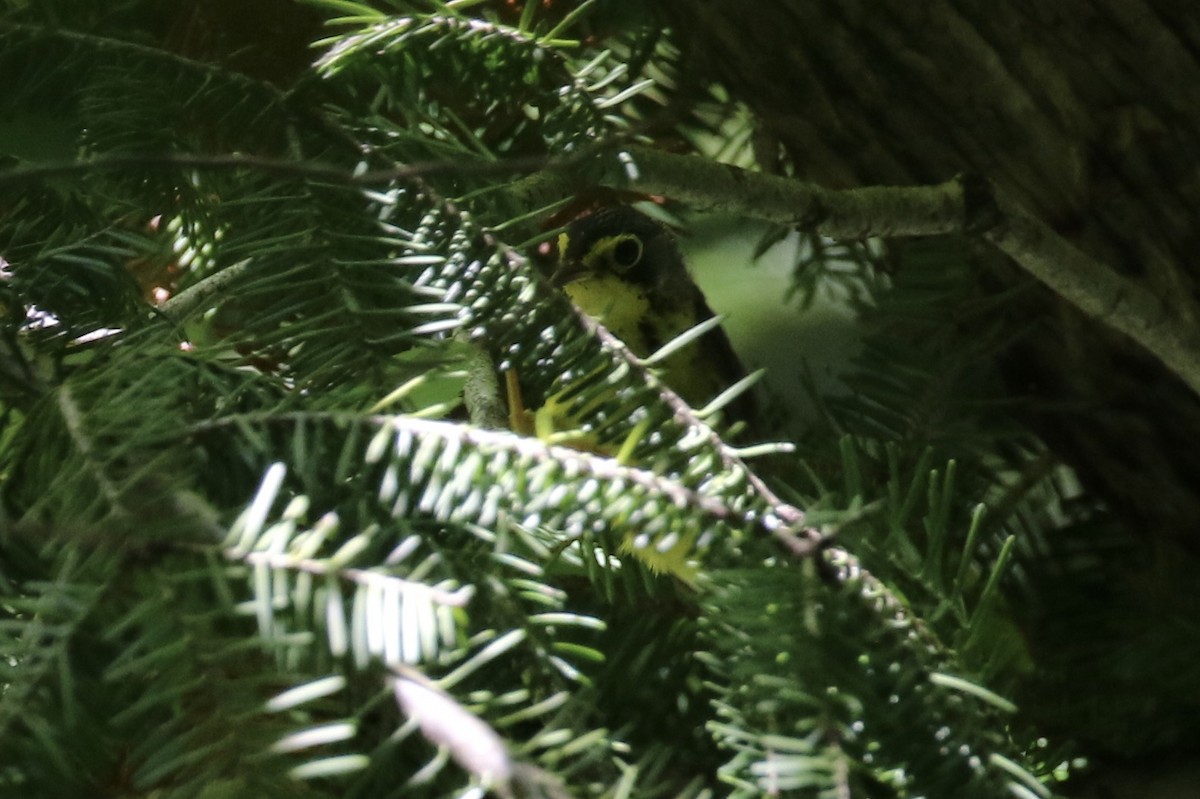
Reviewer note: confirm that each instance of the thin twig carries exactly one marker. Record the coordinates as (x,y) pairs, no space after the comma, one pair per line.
(967,205)
(184,303)
(73,420)
(301,170)
(282,561)
(481,391)
(787,525)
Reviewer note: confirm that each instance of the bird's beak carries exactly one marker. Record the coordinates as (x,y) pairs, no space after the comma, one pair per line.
(569,270)
(568,273)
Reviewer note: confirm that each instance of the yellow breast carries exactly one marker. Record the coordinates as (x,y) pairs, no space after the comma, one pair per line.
(617,304)
(625,310)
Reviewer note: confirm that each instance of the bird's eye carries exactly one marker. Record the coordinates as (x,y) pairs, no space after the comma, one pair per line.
(627,252)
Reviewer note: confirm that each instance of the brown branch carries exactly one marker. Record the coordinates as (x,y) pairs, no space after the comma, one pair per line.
(963,205)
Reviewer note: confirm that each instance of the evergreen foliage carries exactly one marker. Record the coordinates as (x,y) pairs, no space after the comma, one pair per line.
(249,546)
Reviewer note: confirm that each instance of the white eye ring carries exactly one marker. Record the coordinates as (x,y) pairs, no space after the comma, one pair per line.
(626,252)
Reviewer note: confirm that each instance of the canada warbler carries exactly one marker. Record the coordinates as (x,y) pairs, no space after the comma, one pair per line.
(623,269)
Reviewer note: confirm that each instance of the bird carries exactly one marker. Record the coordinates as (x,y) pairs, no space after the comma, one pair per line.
(624,269)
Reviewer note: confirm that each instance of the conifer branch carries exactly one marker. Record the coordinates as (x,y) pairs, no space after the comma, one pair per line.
(786,522)
(282,561)
(41,171)
(578,462)
(965,204)
(344,278)
(192,298)
(481,391)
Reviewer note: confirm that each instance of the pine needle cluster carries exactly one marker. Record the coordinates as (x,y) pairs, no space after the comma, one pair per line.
(251,545)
